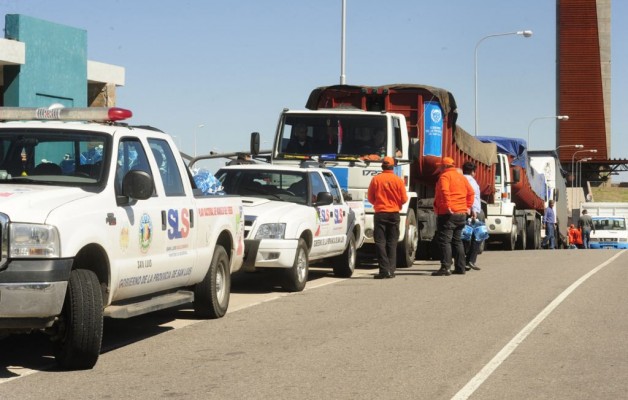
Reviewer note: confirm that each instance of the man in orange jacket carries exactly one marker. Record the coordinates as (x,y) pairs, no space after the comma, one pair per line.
(387,194)
(452,202)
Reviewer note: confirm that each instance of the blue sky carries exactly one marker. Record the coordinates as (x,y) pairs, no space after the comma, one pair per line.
(232,66)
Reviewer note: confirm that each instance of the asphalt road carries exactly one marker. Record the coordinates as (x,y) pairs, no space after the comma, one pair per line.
(530,325)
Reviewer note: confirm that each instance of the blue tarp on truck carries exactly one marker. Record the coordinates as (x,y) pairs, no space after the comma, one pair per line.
(517,148)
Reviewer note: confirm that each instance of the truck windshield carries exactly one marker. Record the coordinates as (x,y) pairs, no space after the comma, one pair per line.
(54,157)
(609,224)
(273,185)
(337,136)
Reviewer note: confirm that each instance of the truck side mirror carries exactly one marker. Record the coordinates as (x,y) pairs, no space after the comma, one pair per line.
(324,199)
(254,145)
(414,149)
(516,175)
(137,185)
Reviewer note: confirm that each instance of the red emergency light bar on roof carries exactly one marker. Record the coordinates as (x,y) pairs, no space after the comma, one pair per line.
(100,114)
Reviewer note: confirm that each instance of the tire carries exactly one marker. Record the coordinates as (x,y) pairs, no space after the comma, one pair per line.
(538,235)
(295,277)
(406,250)
(211,295)
(344,264)
(510,240)
(522,242)
(533,238)
(79,337)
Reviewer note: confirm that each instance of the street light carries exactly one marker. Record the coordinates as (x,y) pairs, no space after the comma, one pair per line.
(195,135)
(558,117)
(577,146)
(525,34)
(572,158)
(579,169)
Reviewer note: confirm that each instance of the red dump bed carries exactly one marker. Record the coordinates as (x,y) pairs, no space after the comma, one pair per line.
(523,195)
(414,102)
(531,190)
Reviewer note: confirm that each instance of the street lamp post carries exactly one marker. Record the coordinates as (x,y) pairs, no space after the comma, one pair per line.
(195,137)
(572,159)
(342,42)
(558,117)
(525,34)
(579,169)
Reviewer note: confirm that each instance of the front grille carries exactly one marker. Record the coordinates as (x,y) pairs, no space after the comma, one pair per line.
(4,239)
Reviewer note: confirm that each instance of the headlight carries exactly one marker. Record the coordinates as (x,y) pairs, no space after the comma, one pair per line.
(593,240)
(271,231)
(30,240)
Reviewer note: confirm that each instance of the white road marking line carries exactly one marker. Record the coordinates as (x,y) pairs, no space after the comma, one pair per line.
(492,365)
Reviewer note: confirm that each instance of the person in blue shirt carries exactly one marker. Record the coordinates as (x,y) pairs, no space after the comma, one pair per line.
(549,222)
(472,247)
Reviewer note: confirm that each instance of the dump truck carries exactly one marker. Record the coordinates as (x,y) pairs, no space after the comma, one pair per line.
(525,182)
(351,128)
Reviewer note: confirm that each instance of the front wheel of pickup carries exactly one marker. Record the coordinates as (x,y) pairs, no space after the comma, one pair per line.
(344,264)
(295,277)
(211,295)
(79,336)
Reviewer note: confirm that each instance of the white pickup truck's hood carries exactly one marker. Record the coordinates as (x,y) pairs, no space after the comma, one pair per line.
(271,210)
(33,203)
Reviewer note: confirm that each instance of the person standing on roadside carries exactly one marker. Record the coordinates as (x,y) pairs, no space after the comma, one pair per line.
(586,226)
(549,221)
(452,202)
(387,194)
(575,237)
(468,169)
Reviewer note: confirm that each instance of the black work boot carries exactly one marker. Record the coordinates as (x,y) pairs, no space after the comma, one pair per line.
(443,271)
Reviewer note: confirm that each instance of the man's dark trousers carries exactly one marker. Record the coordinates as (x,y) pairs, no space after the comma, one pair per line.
(386,235)
(448,236)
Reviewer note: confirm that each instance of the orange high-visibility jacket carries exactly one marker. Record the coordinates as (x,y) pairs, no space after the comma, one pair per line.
(453,193)
(387,192)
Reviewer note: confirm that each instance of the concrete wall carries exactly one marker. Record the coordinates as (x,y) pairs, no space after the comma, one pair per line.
(56,64)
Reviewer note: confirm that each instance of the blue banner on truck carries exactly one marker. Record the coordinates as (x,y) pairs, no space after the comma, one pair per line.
(433,129)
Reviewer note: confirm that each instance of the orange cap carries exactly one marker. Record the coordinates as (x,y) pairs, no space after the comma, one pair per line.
(388,162)
(447,161)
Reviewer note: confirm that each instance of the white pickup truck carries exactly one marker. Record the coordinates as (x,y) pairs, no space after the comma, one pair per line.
(609,221)
(100,219)
(294,215)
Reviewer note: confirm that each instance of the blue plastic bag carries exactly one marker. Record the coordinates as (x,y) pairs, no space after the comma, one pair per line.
(476,229)
(207,182)
(466,233)
(480,232)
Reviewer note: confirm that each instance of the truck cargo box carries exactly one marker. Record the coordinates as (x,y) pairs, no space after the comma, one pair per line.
(430,114)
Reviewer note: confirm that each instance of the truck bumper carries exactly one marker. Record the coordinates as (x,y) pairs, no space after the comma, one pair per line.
(499,225)
(269,253)
(32,289)
(608,245)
